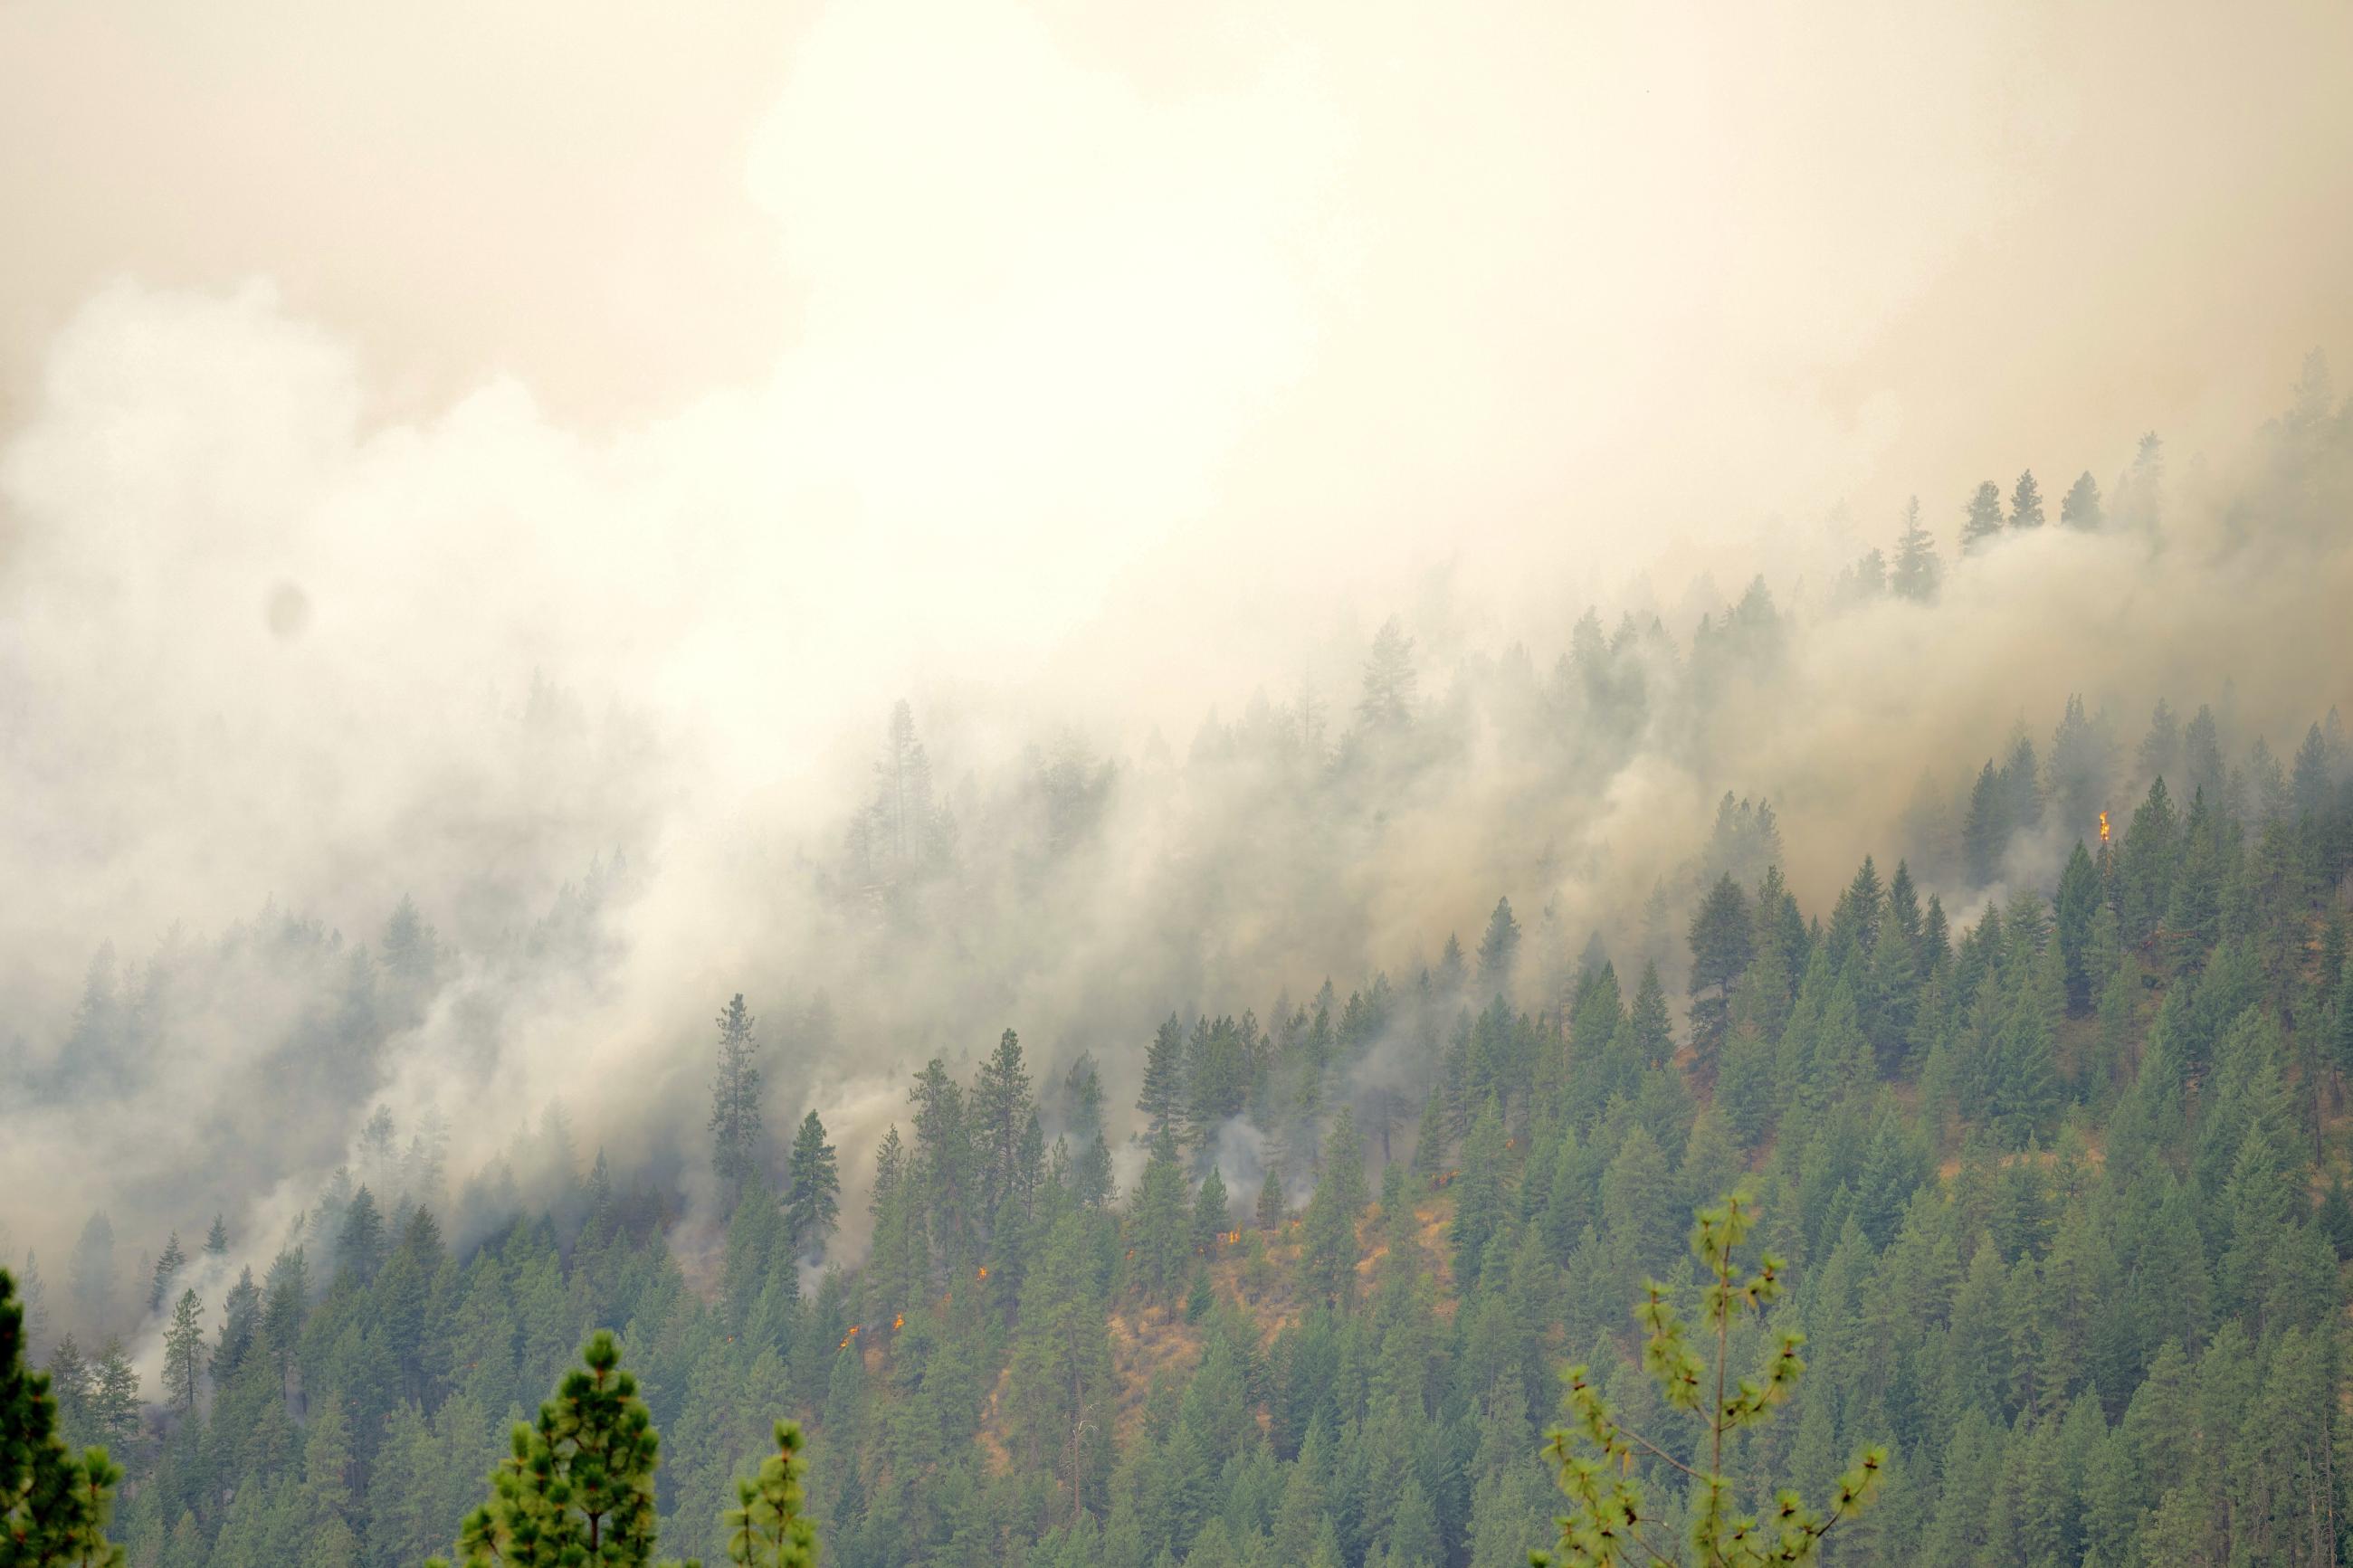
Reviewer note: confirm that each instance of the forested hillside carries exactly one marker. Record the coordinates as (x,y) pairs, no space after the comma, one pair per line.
(2058,1182)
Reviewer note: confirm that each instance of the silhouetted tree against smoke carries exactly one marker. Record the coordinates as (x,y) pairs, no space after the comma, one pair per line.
(1982,519)
(2026,502)
(1916,572)
(735,1124)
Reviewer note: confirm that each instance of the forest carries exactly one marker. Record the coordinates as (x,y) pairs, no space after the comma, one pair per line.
(2044,1153)
(918,783)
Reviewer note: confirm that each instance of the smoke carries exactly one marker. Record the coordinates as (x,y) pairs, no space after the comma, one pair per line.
(555,557)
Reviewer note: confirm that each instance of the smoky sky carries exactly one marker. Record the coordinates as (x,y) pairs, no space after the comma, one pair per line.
(442,451)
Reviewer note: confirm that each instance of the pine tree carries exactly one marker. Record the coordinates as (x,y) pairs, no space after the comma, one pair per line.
(359,1244)
(766,1529)
(217,1238)
(1163,1099)
(2080,506)
(1722,944)
(1272,1204)
(1430,1139)
(1000,1113)
(54,1507)
(1917,571)
(240,1327)
(1498,949)
(184,1354)
(579,1487)
(734,1125)
(1211,1219)
(1982,523)
(813,1204)
(1160,1228)
(1328,1257)
(1609,1521)
(168,1269)
(2026,502)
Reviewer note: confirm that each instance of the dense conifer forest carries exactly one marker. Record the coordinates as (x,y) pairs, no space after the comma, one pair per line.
(2038,1125)
(1032,783)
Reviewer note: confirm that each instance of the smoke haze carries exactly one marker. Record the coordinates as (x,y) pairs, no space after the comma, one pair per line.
(517,462)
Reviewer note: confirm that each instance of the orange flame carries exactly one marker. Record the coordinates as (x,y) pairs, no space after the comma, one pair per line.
(848,1337)
(984,1271)
(900,1321)
(2103,827)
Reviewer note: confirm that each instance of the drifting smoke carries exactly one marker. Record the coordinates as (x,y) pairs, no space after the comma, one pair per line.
(1113,388)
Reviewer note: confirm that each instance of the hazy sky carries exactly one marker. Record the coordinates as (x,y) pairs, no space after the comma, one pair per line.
(1129,273)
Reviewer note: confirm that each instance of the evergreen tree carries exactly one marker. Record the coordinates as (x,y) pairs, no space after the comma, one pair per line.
(735,1124)
(1211,1219)
(184,1354)
(168,1269)
(766,1529)
(1163,1099)
(1982,522)
(359,1244)
(217,1238)
(1272,1204)
(2026,502)
(54,1507)
(1609,1520)
(813,1204)
(2080,506)
(579,1485)
(1001,1108)
(1498,949)
(1160,1228)
(1986,837)
(1722,943)
(1916,572)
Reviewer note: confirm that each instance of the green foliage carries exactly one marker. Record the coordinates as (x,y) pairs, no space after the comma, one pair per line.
(734,1125)
(766,1529)
(54,1507)
(1609,1520)
(813,1199)
(579,1488)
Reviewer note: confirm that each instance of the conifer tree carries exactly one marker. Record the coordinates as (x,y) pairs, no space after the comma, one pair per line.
(168,1269)
(1160,1228)
(1609,1521)
(1982,522)
(1271,1203)
(1163,1099)
(1211,1219)
(240,1327)
(184,1354)
(1722,944)
(2080,507)
(1000,1113)
(1499,947)
(1916,571)
(813,1204)
(579,1486)
(2026,502)
(1430,1139)
(734,1125)
(54,1507)
(359,1244)
(766,1529)
(217,1238)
